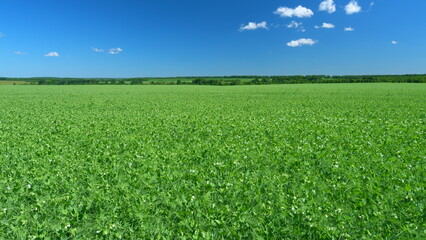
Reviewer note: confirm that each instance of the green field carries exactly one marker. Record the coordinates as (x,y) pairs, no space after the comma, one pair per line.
(333,161)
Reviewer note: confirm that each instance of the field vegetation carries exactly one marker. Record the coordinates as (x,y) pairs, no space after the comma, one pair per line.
(313,161)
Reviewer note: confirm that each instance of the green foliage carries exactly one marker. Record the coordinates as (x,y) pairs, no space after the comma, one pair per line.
(222,81)
(198,162)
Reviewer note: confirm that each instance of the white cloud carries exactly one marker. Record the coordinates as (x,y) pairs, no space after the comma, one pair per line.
(394,42)
(294,24)
(299,11)
(276,25)
(371,6)
(52,54)
(349,29)
(97,49)
(301,42)
(254,26)
(327,5)
(326,25)
(2,35)
(352,7)
(19,53)
(115,50)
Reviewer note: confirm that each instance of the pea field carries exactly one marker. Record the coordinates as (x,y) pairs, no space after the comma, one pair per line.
(308,161)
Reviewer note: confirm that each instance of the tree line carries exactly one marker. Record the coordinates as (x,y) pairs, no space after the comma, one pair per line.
(227,80)
(315,79)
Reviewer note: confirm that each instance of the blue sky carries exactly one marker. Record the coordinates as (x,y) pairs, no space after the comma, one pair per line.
(204,37)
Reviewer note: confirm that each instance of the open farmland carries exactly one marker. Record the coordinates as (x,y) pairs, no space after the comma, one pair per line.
(335,161)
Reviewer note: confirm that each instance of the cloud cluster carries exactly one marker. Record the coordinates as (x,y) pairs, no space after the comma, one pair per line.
(254,26)
(327,5)
(97,49)
(52,54)
(302,42)
(352,7)
(296,25)
(56,54)
(115,50)
(394,42)
(1,35)
(110,51)
(326,25)
(299,11)
(19,53)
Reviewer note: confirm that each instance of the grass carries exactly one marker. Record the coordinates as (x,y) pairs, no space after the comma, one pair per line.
(198,162)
